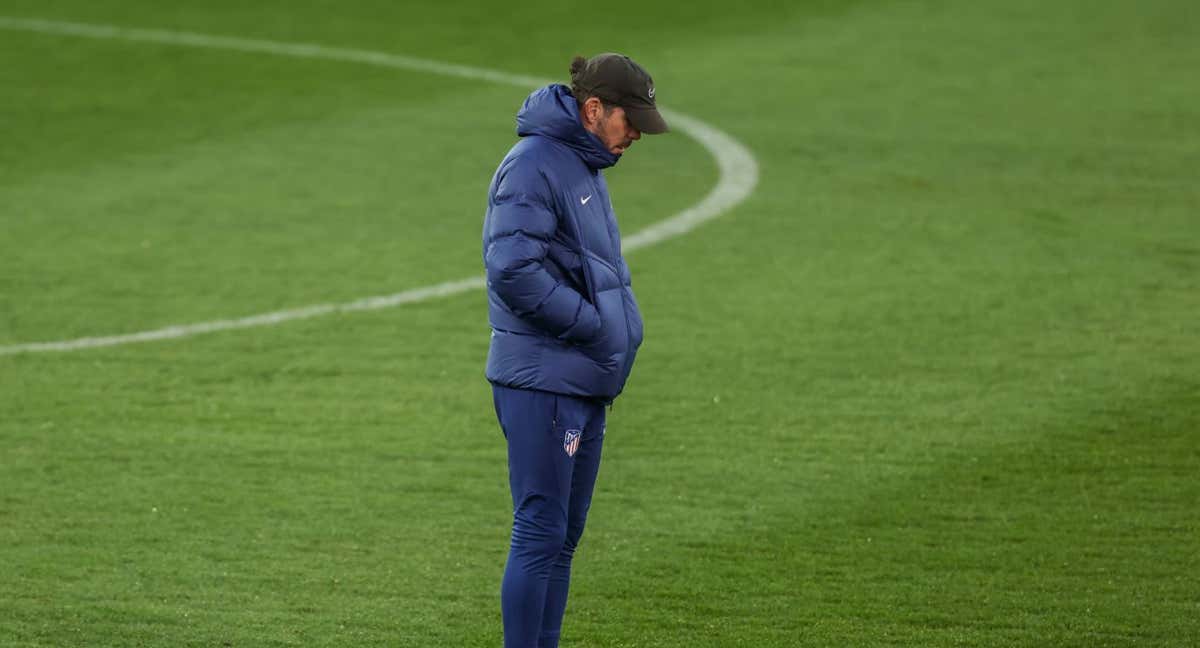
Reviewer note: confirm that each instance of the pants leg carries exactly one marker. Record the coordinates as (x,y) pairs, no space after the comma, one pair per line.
(541,469)
(583,482)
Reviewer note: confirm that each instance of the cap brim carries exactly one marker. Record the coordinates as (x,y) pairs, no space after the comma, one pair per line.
(647,120)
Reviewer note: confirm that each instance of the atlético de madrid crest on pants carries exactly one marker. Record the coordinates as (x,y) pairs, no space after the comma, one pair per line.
(571,442)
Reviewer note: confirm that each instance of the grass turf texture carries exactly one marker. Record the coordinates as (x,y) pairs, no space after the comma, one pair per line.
(936,383)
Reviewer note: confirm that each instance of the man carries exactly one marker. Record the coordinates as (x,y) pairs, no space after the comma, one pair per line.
(565,325)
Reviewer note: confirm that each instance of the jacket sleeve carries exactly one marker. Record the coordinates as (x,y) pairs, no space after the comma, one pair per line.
(520,226)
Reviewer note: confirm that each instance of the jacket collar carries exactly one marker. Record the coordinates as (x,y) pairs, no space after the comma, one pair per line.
(552,112)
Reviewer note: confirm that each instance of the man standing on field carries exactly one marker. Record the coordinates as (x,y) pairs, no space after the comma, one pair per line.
(565,325)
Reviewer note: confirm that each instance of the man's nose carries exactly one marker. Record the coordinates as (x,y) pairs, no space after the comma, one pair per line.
(634,134)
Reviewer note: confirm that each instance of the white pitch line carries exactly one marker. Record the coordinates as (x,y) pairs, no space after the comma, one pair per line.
(737,171)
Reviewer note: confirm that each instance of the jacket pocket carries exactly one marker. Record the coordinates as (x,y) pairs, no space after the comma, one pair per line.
(567,266)
(610,346)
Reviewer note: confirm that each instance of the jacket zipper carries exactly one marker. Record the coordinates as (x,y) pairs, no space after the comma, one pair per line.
(583,252)
(587,273)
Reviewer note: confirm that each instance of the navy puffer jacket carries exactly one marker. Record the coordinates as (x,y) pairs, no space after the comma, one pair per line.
(562,312)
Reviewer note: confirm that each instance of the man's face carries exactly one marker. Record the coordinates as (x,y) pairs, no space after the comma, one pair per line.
(610,125)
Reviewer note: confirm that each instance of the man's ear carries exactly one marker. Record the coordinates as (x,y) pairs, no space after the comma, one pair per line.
(593,110)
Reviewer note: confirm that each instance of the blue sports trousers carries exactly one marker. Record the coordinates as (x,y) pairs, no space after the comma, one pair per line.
(554,446)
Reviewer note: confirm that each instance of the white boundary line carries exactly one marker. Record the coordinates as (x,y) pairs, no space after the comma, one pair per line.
(737,169)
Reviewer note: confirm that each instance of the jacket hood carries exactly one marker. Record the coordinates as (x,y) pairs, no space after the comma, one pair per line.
(552,112)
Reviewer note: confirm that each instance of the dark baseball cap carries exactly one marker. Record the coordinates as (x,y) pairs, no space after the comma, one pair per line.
(616,79)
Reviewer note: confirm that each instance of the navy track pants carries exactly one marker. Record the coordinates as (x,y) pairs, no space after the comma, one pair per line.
(554,446)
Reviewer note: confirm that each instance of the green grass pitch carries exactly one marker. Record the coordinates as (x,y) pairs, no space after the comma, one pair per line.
(935,383)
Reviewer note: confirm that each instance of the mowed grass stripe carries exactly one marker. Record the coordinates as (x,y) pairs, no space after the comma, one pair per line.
(281,216)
